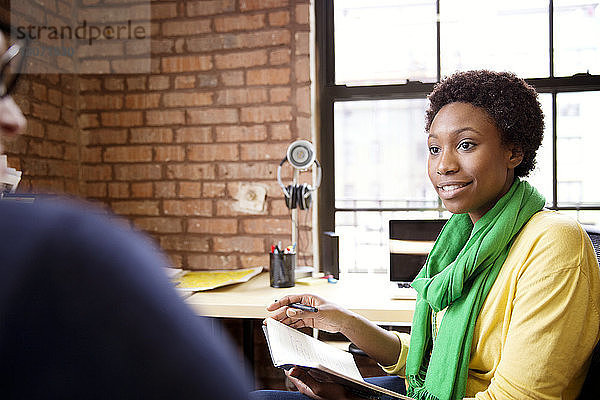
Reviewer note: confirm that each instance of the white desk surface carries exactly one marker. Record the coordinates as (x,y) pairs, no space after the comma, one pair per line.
(367,295)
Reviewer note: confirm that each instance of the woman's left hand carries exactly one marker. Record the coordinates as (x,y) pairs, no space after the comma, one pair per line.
(318,390)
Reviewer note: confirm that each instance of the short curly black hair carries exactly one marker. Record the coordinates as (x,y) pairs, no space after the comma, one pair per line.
(511,103)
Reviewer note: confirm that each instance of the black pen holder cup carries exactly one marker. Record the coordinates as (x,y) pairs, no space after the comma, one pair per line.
(282,268)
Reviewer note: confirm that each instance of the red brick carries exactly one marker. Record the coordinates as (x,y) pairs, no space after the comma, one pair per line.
(88,121)
(169,153)
(212,262)
(95,189)
(140,172)
(131,65)
(146,207)
(91,155)
(213,116)
(35,128)
(251,171)
(184,243)
(241,244)
(114,84)
(303,124)
(185,82)
(128,154)
(61,133)
(241,96)
(158,224)
(249,5)
(265,38)
(193,135)
(186,27)
(106,136)
(186,64)
(101,102)
(194,9)
(302,40)
(280,95)
(267,226)
(158,82)
(157,117)
(279,18)
(217,226)
(302,14)
(151,135)
(233,78)
(281,132)
(213,189)
(123,118)
(142,189)
(213,152)
(244,59)
(190,189)
(266,114)
(94,67)
(39,91)
(147,100)
(163,10)
(190,171)
(164,190)
(136,83)
(239,133)
(239,23)
(302,68)
(55,97)
(188,99)
(250,261)
(89,84)
(268,76)
(46,112)
(278,207)
(263,151)
(303,99)
(188,207)
(96,172)
(118,190)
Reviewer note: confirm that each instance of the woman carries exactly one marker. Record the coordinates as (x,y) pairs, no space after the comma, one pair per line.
(508,300)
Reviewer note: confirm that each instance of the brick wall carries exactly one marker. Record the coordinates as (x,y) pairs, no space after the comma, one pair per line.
(178,149)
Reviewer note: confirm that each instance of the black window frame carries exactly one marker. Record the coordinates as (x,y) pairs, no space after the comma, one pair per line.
(329,92)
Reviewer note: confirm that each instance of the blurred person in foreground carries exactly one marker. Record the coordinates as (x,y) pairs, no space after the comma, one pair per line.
(85,309)
(508,300)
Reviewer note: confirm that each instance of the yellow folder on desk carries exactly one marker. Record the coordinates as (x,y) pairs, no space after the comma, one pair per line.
(194,281)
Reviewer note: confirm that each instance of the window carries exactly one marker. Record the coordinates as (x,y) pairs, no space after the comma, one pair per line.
(379,61)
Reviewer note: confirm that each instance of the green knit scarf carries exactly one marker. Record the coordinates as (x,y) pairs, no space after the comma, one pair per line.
(459,272)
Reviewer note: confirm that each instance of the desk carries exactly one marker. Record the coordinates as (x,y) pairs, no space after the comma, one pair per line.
(363,294)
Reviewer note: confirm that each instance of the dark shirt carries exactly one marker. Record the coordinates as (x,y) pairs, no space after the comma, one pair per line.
(86,312)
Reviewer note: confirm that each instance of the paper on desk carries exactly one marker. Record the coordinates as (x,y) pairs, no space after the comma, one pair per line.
(193,281)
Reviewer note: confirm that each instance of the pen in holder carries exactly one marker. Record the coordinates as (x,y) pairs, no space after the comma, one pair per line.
(282,268)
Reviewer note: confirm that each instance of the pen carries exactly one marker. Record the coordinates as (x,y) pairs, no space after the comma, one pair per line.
(303,307)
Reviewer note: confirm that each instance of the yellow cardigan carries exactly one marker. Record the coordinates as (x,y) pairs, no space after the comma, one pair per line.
(539,323)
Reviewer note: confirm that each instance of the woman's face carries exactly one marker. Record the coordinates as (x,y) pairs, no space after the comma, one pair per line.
(12,121)
(468,165)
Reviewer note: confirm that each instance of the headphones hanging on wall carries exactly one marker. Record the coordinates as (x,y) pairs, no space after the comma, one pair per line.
(301,155)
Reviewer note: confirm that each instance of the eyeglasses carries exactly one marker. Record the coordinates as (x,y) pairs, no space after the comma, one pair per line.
(10,68)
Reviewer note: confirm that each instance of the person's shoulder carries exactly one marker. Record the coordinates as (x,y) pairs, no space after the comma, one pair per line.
(552,225)
(555,236)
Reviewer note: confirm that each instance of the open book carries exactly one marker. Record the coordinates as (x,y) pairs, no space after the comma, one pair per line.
(290,347)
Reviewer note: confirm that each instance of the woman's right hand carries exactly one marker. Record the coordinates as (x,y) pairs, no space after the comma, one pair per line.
(330,317)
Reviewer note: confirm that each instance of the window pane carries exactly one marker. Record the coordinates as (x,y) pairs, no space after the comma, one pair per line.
(577,143)
(576,37)
(364,237)
(381,155)
(385,41)
(509,35)
(541,176)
